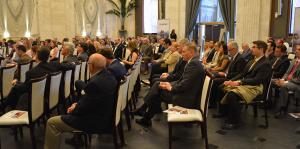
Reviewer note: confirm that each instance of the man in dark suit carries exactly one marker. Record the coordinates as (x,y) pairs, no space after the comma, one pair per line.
(93,112)
(42,68)
(246,85)
(118,49)
(281,63)
(178,70)
(211,53)
(247,53)
(235,67)
(183,92)
(113,65)
(289,82)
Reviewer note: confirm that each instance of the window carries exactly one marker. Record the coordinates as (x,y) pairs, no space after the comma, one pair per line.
(150,16)
(209,11)
(294,4)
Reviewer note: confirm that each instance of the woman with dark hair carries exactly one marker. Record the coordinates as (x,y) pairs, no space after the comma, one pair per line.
(223,59)
(54,53)
(173,35)
(132,47)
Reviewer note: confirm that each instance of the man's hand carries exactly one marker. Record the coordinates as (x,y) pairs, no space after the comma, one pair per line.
(231,83)
(164,75)
(14,82)
(280,82)
(165,86)
(222,74)
(70,109)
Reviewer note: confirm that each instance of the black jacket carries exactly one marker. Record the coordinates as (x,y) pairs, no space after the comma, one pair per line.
(236,66)
(281,66)
(177,72)
(94,110)
(118,52)
(258,74)
(117,69)
(185,91)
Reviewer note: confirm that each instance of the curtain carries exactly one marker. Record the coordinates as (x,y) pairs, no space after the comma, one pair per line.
(192,7)
(228,12)
(1,17)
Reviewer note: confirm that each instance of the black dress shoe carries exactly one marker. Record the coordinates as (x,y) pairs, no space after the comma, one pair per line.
(228,126)
(76,140)
(138,112)
(218,115)
(144,122)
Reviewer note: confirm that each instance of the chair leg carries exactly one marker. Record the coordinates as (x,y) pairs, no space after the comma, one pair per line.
(115,139)
(21,131)
(202,130)
(170,135)
(266,116)
(127,117)
(15,130)
(90,138)
(206,137)
(85,136)
(255,110)
(31,127)
(121,133)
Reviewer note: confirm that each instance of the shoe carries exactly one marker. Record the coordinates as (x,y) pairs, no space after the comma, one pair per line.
(76,140)
(147,82)
(218,115)
(278,115)
(146,73)
(144,122)
(138,112)
(228,126)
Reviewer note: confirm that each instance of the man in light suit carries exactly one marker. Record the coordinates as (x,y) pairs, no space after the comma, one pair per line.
(93,112)
(246,85)
(183,92)
(290,82)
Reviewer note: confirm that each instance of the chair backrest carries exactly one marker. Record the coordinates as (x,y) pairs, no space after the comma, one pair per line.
(204,98)
(67,84)
(87,74)
(83,71)
(124,92)
(37,100)
(7,75)
(60,56)
(23,68)
(77,72)
(33,64)
(55,79)
(121,100)
(131,84)
(267,86)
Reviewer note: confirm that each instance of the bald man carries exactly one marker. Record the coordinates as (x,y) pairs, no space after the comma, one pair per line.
(93,111)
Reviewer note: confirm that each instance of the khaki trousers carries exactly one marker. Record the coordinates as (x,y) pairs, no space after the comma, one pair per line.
(55,127)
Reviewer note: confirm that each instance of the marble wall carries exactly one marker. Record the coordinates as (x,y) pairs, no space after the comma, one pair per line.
(252,20)
(175,12)
(60,18)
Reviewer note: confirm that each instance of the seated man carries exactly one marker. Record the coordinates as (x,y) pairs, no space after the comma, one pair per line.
(235,67)
(93,112)
(42,68)
(281,63)
(290,82)
(178,69)
(23,58)
(113,65)
(247,85)
(183,92)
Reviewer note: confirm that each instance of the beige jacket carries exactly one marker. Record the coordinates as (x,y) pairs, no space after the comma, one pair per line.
(171,59)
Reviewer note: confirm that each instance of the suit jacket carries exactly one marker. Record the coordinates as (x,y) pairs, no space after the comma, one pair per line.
(178,71)
(118,52)
(257,75)
(83,56)
(210,55)
(247,55)
(296,76)
(236,66)
(161,49)
(117,69)
(281,66)
(94,110)
(171,60)
(185,91)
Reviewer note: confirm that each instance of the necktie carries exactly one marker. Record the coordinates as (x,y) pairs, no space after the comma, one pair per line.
(293,70)
(251,66)
(275,62)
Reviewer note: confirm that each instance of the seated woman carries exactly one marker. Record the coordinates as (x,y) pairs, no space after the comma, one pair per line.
(223,59)
(216,57)
(132,47)
(54,53)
